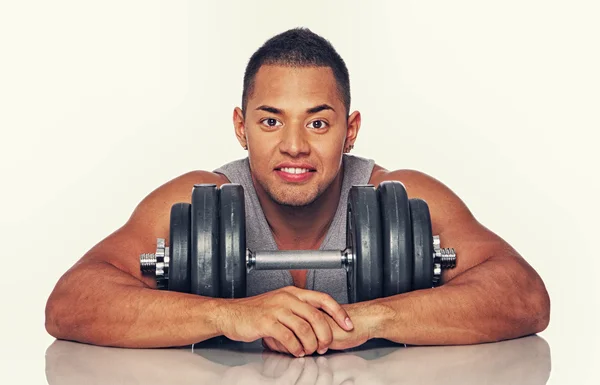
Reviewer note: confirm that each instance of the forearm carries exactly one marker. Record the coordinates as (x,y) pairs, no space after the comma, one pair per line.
(103,305)
(501,298)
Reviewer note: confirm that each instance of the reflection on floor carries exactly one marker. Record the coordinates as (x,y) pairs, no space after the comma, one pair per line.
(523,361)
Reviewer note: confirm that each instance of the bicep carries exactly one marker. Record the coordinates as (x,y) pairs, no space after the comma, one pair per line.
(455,224)
(150,220)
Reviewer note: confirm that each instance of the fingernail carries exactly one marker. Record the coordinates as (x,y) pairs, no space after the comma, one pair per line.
(302,354)
(349,323)
(323,351)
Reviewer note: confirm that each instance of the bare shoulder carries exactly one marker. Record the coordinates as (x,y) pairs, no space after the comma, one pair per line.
(418,185)
(451,219)
(442,201)
(176,190)
(415,181)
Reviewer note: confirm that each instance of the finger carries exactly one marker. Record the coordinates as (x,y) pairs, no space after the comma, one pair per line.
(302,329)
(329,305)
(320,326)
(272,344)
(267,343)
(281,348)
(288,339)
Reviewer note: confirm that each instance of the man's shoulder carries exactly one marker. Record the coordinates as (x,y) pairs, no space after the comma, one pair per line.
(200,177)
(417,183)
(446,207)
(406,176)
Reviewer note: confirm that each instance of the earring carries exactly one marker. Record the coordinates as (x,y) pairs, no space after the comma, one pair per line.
(350,147)
(246,147)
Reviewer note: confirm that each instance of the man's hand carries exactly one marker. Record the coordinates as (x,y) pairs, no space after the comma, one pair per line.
(291,319)
(361,333)
(365,320)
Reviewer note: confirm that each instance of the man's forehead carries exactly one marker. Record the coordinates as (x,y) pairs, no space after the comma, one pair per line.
(310,84)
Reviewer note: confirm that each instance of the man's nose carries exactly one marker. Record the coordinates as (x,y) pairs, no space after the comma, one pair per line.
(294,140)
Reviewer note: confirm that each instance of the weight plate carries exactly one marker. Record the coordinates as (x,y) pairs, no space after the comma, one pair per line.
(179,248)
(396,238)
(422,244)
(363,237)
(232,241)
(205,240)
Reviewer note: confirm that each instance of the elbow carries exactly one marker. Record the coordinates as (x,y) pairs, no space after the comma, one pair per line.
(60,317)
(527,306)
(67,308)
(532,307)
(55,317)
(51,323)
(532,301)
(540,305)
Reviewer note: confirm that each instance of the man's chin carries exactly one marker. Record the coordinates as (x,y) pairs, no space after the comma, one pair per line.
(296,199)
(297,202)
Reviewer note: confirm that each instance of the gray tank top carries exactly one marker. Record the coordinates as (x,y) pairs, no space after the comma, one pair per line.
(357,170)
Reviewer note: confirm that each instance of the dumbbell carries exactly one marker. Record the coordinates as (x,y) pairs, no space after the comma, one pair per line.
(390,248)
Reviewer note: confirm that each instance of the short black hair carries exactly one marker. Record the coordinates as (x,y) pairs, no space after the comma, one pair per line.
(298,47)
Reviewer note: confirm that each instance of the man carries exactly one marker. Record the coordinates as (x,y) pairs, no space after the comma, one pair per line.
(296,125)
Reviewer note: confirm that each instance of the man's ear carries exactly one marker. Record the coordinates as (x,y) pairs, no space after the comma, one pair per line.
(240,127)
(352,129)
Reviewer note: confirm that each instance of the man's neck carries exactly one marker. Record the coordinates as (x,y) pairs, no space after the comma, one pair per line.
(305,227)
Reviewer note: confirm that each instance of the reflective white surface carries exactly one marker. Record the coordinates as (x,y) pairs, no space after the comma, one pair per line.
(524,361)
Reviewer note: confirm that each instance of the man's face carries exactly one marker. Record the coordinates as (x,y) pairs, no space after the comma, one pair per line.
(295,129)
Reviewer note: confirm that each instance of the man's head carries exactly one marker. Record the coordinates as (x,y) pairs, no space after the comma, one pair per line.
(295,116)
(298,47)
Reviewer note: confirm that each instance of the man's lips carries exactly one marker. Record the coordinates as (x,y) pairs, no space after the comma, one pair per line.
(294,177)
(295,172)
(290,165)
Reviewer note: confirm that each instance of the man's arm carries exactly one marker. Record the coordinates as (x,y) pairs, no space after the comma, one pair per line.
(104,300)
(493,293)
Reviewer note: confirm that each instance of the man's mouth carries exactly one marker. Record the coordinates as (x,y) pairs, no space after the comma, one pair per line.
(291,170)
(300,173)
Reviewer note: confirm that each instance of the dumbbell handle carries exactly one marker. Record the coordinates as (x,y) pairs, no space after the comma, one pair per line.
(297,259)
(158,263)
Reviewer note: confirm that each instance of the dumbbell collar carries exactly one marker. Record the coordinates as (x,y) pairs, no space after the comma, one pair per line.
(157,263)
(442,259)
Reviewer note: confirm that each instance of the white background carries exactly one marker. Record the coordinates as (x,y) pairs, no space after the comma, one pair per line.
(102,102)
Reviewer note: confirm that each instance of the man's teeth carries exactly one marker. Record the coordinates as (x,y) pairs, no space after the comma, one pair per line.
(295,170)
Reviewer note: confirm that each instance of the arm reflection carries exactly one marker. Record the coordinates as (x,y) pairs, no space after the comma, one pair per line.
(525,361)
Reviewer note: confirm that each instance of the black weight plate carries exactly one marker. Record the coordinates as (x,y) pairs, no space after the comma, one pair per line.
(422,244)
(363,236)
(179,248)
(205,240)
(396,238)
(232,241)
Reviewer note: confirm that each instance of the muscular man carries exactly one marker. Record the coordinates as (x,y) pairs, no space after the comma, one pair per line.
(296,125)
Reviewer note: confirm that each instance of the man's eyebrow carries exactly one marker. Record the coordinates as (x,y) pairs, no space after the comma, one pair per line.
(319,108)
(270,109)
(312,110)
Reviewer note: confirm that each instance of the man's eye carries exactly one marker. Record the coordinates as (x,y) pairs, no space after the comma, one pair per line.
(270,122)
(318,124)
